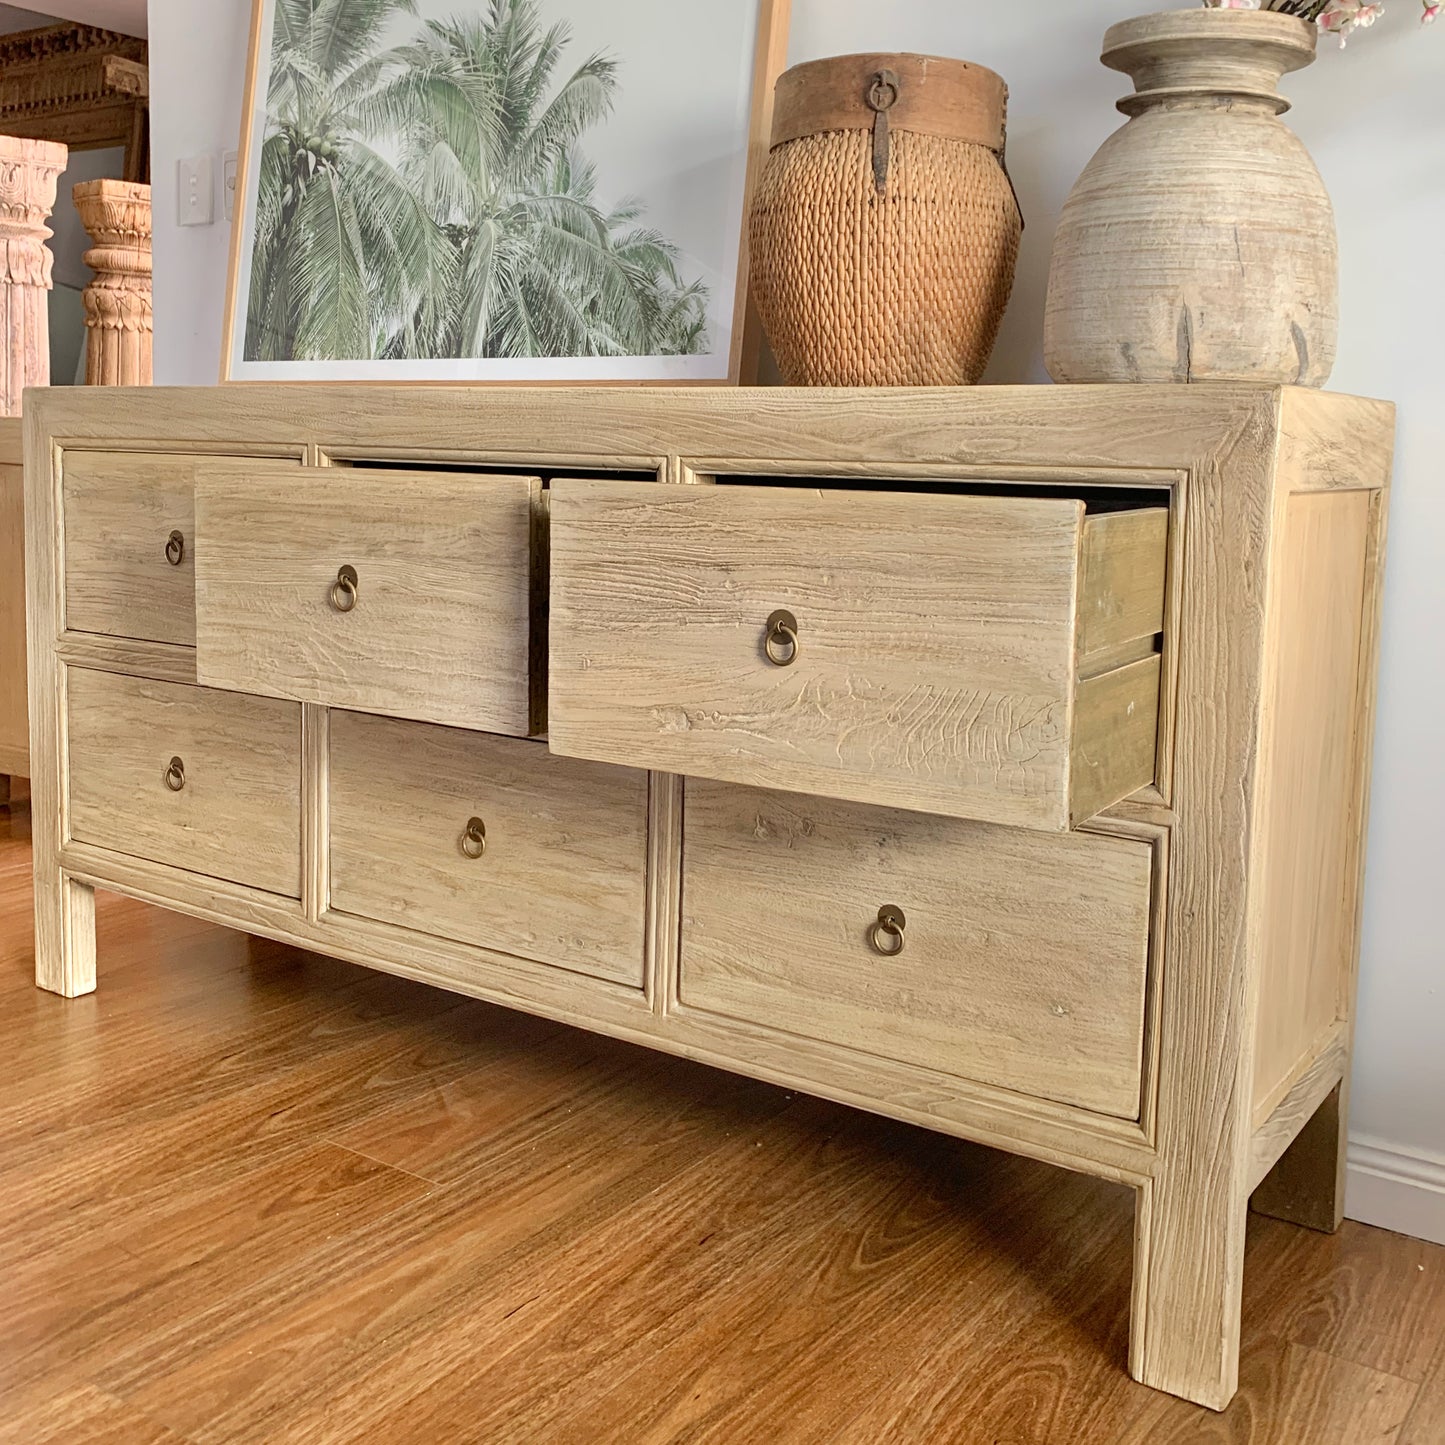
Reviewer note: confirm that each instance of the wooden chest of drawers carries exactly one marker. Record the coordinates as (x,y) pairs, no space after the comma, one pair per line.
(995,759)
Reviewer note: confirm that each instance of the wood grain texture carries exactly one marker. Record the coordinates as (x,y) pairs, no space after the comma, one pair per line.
(1121,584)
(1309,753)
(1199,242)
(120,510)
(1116,736)
(14,709)
(935,666)
(253,1195)
(562,878)
(441,626)
(1024,958)
(237,812)
(1274,1137)
(936,96)
(1217,455)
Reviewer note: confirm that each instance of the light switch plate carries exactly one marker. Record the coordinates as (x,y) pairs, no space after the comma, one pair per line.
(228,183)
(195,191)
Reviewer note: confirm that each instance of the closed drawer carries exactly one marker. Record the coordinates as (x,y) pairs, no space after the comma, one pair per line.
(981,657)
(187,776)
(435,625)
(130,545)
(553,867)
(1023,960)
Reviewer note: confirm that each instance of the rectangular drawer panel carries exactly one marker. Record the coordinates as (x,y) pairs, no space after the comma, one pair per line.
(439,626)
(1024,954)
(233,810)
(949,648)
(561,876)
(121,509)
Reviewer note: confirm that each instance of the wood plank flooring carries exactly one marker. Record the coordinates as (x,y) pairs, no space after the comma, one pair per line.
(253,1195)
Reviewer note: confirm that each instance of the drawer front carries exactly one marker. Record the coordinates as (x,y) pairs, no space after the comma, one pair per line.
(1024,955)
(230,809)
(124,575)
(437,625)
(556,872)
(937,654)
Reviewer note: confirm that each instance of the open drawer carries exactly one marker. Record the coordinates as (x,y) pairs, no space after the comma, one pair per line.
(987,657)
(407,593)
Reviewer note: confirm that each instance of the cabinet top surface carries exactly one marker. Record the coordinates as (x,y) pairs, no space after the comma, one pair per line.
(718,428)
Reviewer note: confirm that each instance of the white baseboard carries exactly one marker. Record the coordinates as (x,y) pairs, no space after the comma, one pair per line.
(1395,1188)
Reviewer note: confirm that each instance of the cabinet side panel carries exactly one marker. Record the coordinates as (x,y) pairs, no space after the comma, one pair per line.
(1314,712)
(14,715)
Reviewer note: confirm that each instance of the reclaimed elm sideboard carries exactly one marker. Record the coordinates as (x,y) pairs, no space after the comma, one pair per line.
(994,759)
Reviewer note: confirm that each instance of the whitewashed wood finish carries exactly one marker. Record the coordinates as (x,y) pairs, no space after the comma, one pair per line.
(1226,457)
(120,510)
(1280,1129)
(936,665)
(441,629)
(1024,954)
(14,711)
(1312,713)
(1199,243)
(1122,565)
(237,813)
(1116,736)
(563,874)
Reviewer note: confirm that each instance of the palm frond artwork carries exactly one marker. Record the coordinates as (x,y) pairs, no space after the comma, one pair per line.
(424,192)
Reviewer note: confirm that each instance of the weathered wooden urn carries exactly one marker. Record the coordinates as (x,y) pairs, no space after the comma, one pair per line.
(1199,243)
(885,231)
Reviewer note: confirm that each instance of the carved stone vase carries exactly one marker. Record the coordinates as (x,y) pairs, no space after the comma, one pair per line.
(1199,243)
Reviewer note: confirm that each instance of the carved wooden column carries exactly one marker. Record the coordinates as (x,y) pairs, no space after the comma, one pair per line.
(28,169)
(118,319)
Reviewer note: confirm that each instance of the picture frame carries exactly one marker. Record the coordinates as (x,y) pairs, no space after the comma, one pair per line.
(465,191)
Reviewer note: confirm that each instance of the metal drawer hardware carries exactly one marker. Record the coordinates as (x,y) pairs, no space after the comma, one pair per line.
(175,549)
(780,641)
(175,775)
(343,590)
(887,933)
(474,839)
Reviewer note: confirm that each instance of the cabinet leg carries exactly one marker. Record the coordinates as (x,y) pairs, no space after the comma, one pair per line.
(64,934)
(1307,1185)
(1188,1279)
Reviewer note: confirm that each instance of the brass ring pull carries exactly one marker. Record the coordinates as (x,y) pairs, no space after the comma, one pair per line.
(780,641)
(886,935)
(175,775)
(175,549)
(474,838)
(343,590)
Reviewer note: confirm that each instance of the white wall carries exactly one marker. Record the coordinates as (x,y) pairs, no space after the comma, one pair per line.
(1373,117)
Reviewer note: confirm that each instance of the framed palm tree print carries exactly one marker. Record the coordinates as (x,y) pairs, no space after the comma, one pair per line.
(498,190)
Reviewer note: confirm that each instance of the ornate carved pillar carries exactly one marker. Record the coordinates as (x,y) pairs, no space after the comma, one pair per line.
(119,324)
(28,169)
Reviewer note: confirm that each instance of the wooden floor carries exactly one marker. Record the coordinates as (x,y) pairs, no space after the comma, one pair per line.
(248,1194)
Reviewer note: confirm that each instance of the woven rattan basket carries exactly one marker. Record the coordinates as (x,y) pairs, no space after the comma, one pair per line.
(885,231)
